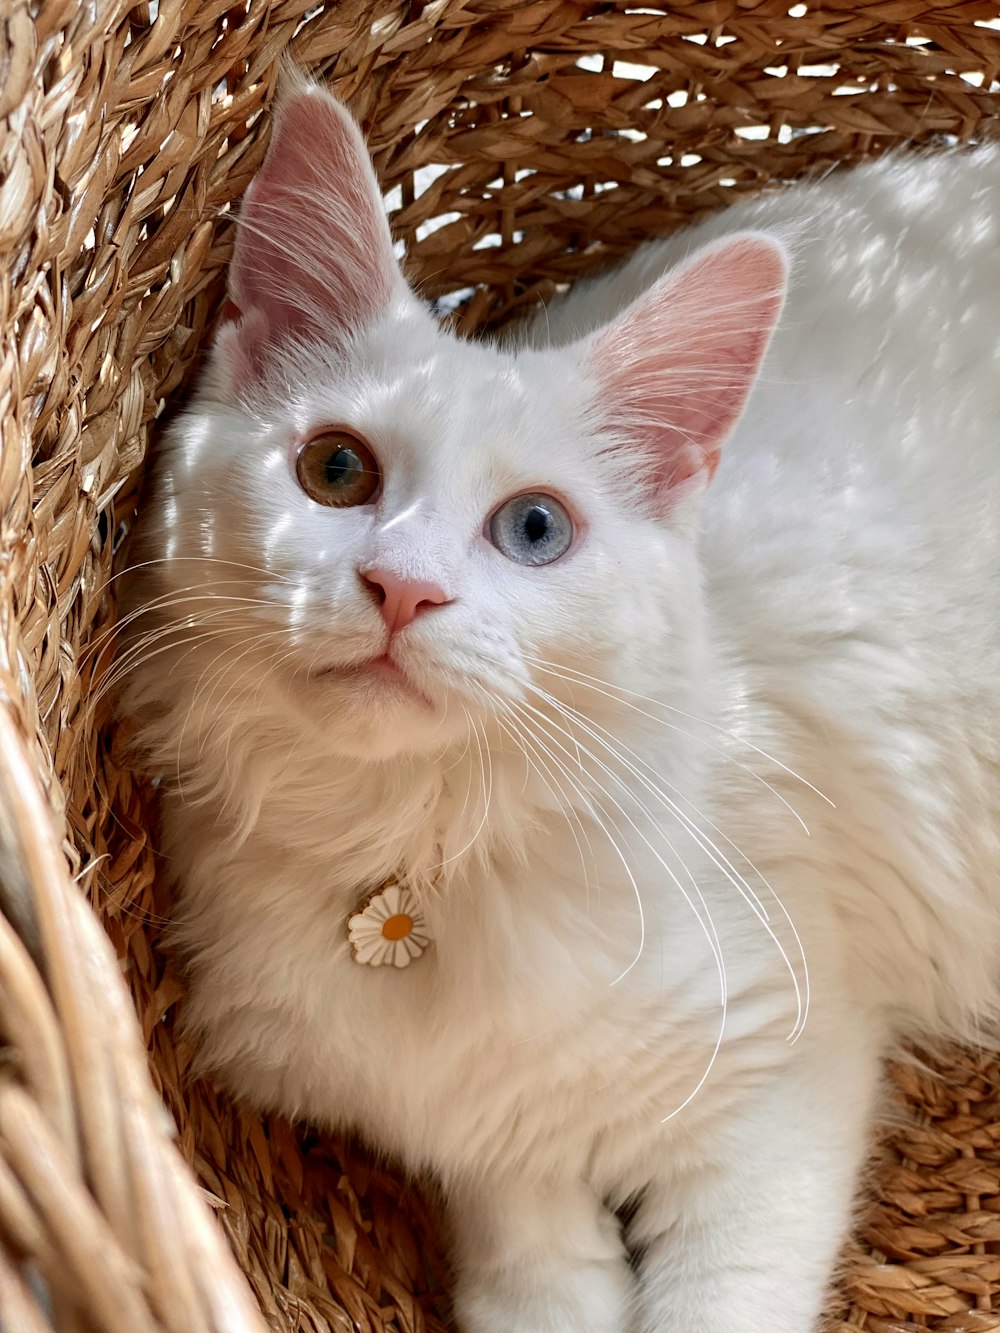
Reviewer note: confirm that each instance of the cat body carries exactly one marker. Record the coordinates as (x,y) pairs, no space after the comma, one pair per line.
(701,817)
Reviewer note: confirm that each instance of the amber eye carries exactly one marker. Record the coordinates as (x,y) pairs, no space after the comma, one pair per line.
(337,469)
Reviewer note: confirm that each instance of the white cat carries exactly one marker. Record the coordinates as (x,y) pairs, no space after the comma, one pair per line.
(691,790)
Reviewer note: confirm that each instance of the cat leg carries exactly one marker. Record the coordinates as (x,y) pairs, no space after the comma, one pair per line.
(747,1243)
(538,1257)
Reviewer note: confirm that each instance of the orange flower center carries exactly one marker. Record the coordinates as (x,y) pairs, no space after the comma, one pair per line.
(397,927)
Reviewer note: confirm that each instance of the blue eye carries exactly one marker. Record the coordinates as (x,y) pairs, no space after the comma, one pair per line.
(532,529)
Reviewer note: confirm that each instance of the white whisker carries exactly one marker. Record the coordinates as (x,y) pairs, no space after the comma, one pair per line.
(481,746)
(718,858)
(521,739)
(617,693)
(707,925)
(708,929)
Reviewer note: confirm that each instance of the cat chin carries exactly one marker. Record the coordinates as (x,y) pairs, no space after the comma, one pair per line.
(375,713)
(373,681)
(393,734)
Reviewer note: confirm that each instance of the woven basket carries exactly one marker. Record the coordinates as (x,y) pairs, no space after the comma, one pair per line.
(549,137)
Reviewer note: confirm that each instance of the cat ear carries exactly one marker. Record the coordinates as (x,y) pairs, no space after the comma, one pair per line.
(313,255)
(676,368)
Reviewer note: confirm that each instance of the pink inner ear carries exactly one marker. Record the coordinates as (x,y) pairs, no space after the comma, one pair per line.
(313,255)
(675,369)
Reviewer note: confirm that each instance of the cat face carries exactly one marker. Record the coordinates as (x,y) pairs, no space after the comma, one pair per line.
(475,453)
(412,534)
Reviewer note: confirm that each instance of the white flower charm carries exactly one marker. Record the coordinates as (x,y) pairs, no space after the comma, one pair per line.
(389,929)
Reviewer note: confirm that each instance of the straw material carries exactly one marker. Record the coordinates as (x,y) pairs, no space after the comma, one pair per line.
(552,136)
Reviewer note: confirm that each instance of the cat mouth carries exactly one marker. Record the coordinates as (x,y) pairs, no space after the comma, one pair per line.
(384,671)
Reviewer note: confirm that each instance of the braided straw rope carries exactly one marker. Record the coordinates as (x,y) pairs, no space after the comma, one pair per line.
(550,136)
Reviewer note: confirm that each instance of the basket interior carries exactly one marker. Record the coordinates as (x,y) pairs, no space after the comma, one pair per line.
(519,145)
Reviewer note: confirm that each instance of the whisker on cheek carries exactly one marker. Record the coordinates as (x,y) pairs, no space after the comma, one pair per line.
(624,698)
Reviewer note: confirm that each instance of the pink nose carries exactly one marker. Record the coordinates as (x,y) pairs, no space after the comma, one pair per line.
(400,599)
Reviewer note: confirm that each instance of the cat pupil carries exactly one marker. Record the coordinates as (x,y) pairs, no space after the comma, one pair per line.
(342,466)
(536,523)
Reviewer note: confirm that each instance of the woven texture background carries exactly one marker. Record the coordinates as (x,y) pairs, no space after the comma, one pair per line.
(520,144)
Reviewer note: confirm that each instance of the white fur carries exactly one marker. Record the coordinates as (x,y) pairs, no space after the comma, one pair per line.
(831,611)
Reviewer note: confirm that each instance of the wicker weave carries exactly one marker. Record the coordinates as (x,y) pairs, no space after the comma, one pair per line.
(558,133)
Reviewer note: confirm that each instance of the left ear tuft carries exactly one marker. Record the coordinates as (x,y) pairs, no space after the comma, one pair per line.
(314,256)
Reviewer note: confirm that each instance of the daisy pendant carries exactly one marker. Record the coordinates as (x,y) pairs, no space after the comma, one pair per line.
(390,930)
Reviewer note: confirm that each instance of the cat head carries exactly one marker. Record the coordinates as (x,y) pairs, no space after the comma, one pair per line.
(427,534)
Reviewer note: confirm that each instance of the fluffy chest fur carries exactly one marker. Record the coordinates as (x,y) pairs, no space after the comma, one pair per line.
(558,1014)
